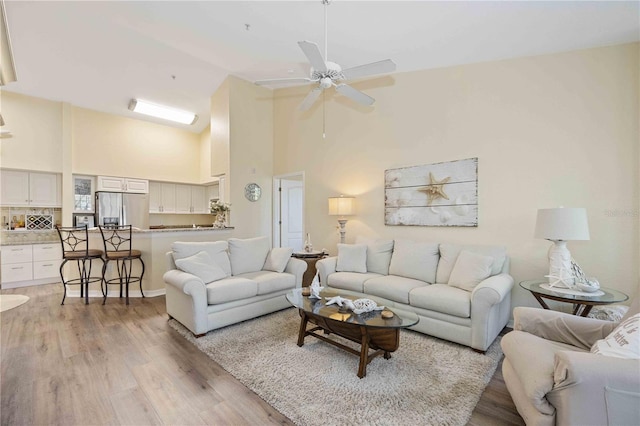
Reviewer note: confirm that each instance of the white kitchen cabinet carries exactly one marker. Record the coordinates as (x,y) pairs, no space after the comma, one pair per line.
(120,184)
(30,264)
(183,198)
(191,199)
(20,188)
(199,202)
(162,197)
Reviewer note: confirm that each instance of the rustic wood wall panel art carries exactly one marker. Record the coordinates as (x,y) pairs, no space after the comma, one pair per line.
(440,194)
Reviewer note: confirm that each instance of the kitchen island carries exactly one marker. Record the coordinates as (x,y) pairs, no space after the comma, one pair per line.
(153,243)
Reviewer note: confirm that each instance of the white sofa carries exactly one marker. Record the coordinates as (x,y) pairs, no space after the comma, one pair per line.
(461,293)
(210,285)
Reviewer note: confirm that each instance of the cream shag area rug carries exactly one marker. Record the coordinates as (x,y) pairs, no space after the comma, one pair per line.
(10,301)
(427,381)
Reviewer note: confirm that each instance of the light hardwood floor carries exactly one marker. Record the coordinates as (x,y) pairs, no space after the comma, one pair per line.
(90,364)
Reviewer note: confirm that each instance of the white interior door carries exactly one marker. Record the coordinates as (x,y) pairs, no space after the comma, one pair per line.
(291,217)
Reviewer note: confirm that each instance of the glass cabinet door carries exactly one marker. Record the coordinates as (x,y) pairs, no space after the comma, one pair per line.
(83,194)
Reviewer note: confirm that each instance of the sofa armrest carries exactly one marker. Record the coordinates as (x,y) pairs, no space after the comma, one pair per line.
(493,290)
(296,267)
(326,267)
(595,389)
(561,327)
(186,283)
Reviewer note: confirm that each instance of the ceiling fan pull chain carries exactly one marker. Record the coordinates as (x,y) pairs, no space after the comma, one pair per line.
(324,135)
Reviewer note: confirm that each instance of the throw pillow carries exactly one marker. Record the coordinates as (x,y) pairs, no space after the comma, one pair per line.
(470,269)
(277,259)
(216,249)
(248,255)
(202,266)
(622,342)
(449,254)
(352,258)
(417,260)
(378,254)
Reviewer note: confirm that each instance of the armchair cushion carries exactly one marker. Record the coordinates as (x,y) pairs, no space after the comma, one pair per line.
(277,259)
(352,258)
(202,266)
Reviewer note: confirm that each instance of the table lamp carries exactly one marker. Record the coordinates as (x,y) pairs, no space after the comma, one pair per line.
(560,225)
(341,206)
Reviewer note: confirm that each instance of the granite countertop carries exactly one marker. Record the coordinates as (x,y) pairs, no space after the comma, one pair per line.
(15,238)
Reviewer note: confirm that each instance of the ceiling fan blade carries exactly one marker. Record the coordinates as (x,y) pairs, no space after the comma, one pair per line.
(354,94)
(284,81)
(379,67)
(310,99)
(312,52)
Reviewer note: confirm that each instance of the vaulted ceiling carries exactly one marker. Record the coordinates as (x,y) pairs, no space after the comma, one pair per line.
(99,55)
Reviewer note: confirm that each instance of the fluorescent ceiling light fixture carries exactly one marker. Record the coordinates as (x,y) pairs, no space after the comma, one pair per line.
(161,111)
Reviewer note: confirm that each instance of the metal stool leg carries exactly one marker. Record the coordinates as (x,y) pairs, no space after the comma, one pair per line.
(141,275)
(64,285)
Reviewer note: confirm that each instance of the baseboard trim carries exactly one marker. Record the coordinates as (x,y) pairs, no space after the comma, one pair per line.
(116,293)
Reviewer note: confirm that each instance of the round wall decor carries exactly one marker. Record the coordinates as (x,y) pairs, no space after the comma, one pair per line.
(252,191)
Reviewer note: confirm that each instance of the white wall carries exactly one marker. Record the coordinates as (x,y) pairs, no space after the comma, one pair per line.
(105,144)
(250,157)
(36,125)
(549,130)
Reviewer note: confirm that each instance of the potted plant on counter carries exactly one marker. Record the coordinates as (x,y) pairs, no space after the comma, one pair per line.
(219,210)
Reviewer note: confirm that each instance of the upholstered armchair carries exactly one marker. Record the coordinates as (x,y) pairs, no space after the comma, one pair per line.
(554,378)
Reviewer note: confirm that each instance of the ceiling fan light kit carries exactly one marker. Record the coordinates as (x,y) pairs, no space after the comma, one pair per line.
(326,74)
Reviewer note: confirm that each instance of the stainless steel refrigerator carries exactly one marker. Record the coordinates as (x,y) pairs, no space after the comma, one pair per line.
(121,208)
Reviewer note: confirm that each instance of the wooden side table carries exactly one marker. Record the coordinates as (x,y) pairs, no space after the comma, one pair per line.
(311,259)
(582,303)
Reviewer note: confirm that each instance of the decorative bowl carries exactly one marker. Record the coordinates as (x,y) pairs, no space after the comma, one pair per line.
(588,286)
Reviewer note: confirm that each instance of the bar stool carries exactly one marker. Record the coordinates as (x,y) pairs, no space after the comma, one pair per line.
(75,247)
(117,246)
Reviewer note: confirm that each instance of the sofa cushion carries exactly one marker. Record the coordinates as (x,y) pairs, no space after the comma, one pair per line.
(416,260)
(216,249)
(352,258)
(269,282)
(229,289)
(392,287)
(277,259)
(623,341)
(378,254)
(353,281)
(202,266)
(449,254)
(442,298)
(470,269)
(248,255)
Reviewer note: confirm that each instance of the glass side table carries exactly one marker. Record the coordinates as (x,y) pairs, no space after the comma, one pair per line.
(582,301)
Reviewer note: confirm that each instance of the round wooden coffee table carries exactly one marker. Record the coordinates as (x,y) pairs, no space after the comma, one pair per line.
(582,301)
(369,329)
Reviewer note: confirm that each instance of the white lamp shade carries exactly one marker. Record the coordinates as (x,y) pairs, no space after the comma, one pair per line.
(341,206)
(562,224)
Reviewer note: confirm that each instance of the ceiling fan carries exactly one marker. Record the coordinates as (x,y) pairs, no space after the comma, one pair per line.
(325,74)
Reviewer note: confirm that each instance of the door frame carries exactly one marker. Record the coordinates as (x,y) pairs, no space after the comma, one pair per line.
(277,237)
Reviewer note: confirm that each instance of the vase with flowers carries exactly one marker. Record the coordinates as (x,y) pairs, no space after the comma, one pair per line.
(220,211)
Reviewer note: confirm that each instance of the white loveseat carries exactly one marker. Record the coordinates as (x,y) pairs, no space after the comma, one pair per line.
(461,293)
(210,285)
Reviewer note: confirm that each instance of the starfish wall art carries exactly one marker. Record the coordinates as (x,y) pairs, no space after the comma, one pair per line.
(440,194)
